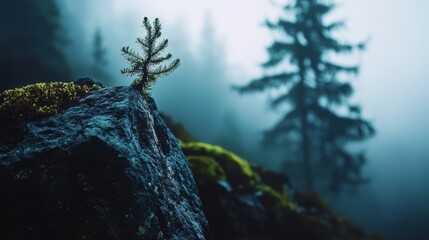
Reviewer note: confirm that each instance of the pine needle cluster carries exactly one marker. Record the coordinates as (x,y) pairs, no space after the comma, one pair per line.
(148,67)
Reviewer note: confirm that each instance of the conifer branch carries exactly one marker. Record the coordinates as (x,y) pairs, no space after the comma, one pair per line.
(147,67)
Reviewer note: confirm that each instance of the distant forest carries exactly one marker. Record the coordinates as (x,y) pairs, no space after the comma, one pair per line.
(33,45)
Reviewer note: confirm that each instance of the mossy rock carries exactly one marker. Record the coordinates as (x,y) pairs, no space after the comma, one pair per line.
(301,216)
(237,170)
(273,179)
(278,204)
(206,170)
(39,100)
(34,102)
(312,201)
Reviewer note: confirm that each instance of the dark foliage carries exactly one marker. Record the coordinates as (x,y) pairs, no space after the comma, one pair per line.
(30,43)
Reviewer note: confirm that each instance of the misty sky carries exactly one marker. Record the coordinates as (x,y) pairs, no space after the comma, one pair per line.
(222,42)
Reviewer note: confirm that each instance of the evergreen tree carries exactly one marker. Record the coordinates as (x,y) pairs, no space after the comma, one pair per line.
(315,88)
(147,67)
(99,52)
(30,43)
(99,57)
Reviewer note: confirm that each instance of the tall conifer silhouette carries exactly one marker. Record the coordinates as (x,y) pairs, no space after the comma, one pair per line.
(314,88)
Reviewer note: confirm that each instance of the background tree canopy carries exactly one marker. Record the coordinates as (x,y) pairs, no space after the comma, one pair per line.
(315,87)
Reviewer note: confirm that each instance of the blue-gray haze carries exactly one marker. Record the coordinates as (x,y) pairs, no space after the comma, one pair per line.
(221,43)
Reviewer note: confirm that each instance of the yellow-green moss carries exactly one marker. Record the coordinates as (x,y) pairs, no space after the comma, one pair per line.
(278,203)
(206,170)
(39,100)
(238,171)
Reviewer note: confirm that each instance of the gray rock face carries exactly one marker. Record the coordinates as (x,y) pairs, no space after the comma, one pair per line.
(107,168)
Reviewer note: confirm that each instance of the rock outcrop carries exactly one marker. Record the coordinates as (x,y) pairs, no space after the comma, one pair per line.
(106,168)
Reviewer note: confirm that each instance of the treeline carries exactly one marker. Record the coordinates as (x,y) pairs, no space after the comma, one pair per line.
(33,44)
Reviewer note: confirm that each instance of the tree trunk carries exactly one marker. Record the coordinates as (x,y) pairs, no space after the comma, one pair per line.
(305,143)
(140,86)
(305,148)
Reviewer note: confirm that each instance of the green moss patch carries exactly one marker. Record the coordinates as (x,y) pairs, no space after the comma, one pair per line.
(39,100)
(238,171)
(206,170)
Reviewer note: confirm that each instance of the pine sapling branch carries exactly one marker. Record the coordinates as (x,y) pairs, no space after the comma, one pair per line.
(148,67)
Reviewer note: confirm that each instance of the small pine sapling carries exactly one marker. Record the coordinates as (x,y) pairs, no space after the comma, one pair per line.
(148,67)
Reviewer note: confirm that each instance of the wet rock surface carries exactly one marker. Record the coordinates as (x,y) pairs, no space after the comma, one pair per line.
(107,168)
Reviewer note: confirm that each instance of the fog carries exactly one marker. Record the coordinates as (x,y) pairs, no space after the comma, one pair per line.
(222,43)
